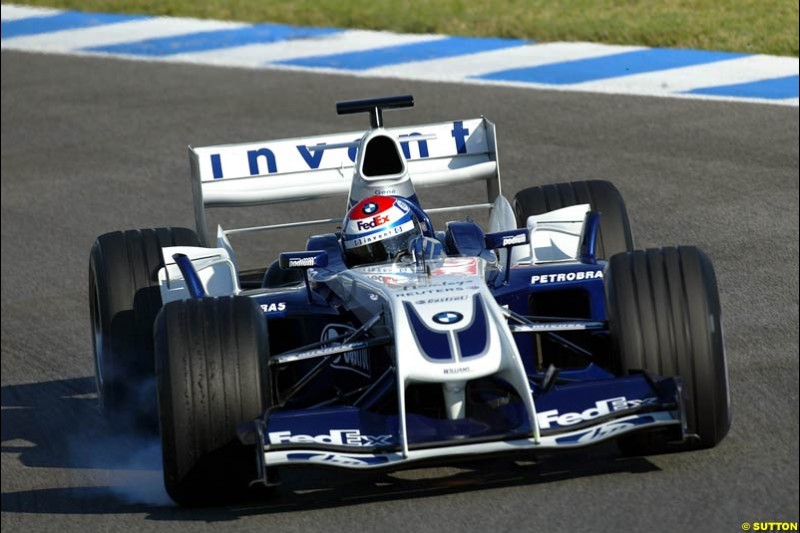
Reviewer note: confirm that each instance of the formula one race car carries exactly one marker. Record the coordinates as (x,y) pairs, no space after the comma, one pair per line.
(392,341)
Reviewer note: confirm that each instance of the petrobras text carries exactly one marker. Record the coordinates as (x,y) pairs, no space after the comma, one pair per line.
(274,307)
(601,408)
(541,279)
(336,437)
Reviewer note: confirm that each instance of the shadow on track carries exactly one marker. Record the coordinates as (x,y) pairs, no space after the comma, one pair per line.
(56,424)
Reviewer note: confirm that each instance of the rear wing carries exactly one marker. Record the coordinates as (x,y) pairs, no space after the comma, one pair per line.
(296,170)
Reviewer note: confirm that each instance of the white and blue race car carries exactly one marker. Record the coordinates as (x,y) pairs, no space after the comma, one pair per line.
(392,341)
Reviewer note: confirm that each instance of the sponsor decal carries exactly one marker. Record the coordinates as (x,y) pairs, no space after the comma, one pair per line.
(392,268)
(335,437)
(369,208)
(601,408)
(467,266)
(277,156)
(605,431)
(338,459)
(448,317)
(354,360)
(274,307)
(357,361)
(454,370)
(541,279)
(360,241)
(344,460)
(441,300)
(389,280)
(516,239)
(300,262)
(439,289)
(555,326)
(372,223)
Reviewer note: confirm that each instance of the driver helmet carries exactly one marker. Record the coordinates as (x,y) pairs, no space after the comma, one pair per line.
(378,229)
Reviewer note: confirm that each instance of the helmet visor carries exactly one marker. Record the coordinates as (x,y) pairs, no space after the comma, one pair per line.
(380,251)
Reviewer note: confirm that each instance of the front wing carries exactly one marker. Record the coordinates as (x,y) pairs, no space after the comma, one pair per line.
(569,416)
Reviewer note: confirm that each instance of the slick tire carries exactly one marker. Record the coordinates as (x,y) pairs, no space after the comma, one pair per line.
(212,374)
(614,235)
(124,299)
(663,311)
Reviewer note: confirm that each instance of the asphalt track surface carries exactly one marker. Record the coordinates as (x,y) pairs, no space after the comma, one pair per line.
(93,145)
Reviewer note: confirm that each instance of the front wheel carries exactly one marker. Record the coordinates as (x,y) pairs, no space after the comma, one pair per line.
(664,317)
(212,375)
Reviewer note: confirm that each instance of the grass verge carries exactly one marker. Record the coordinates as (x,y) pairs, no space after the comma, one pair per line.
(754,26)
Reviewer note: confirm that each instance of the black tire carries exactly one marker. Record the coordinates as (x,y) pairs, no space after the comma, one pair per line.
(124,299)
(614,235)
(212,374)
(664,317)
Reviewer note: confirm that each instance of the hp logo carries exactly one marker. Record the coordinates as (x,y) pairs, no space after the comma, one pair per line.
(448,317)
(369,208)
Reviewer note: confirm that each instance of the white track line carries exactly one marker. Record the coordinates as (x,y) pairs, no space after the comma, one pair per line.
(118,33)
(728,72)
(456,68)
(9,12)
(336,43)
(462,69)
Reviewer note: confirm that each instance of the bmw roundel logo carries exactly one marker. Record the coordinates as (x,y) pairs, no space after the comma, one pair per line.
(369,208)
(447,317)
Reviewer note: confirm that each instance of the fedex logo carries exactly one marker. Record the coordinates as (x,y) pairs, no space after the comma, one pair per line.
(373,223)
(337,437)
(547,419)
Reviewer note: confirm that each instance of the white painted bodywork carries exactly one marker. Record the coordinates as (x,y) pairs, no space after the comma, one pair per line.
(452,286)
(231,175)
(555,236)
(214,266)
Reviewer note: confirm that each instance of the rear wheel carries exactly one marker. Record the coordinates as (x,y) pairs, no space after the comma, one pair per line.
(124,299)
(614,235)
(664,317)
(212,374)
